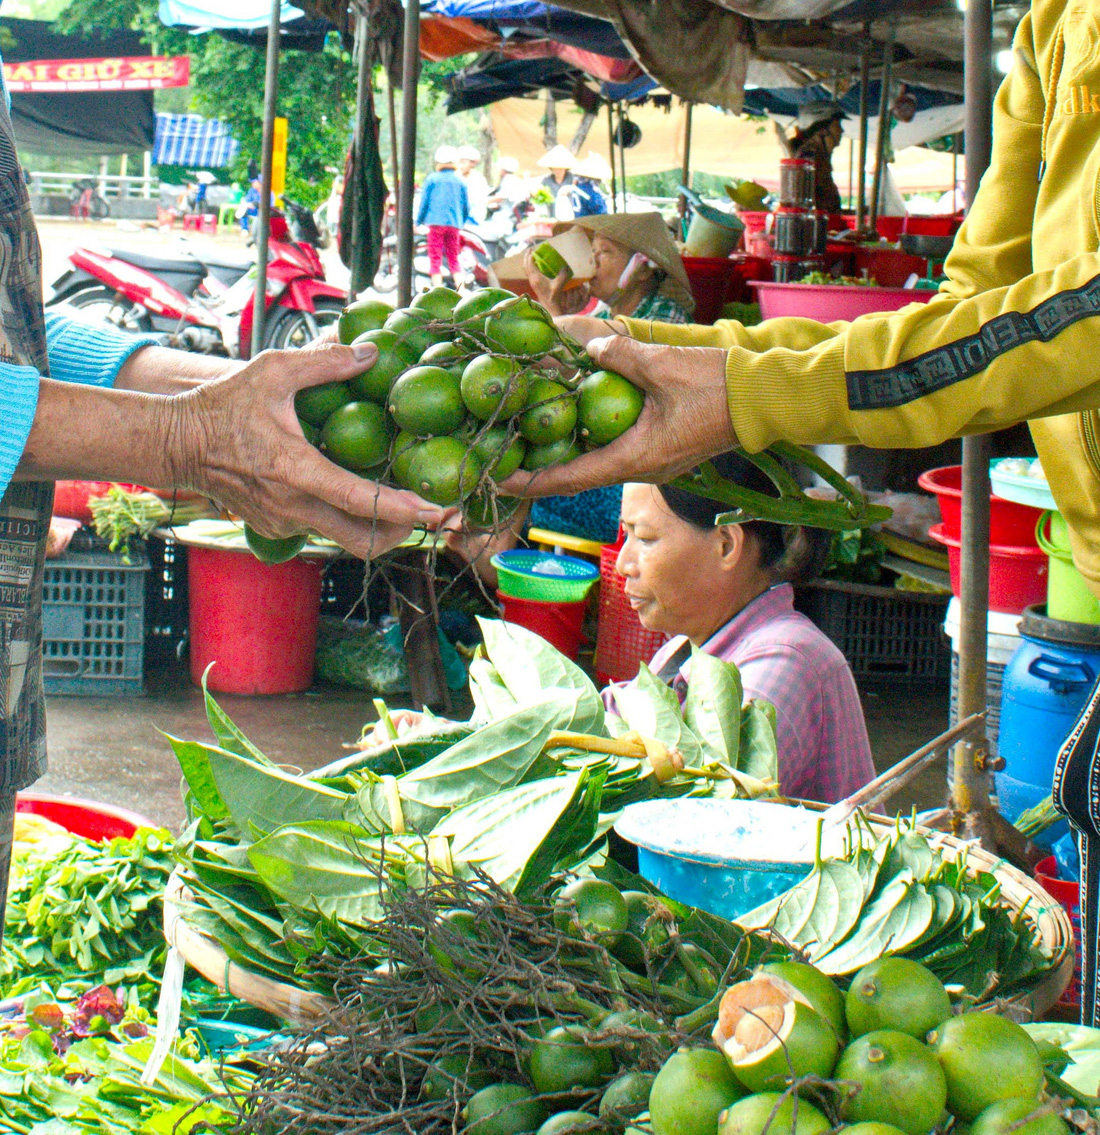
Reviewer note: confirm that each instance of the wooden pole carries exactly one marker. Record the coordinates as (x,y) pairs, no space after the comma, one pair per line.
(970,797)
(410,76)
(864,111)
(685,169)
(611,153)
(263,213)
(883,127)
(363,113)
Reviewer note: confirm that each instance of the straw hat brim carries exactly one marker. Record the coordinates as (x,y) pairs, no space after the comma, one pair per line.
(648,234)
(557,158)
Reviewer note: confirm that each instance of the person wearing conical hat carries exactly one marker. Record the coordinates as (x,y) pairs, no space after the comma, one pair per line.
(588,198)
(560,162)
(638,271)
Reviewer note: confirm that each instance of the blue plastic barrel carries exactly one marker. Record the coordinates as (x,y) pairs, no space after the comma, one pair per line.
(1045,685)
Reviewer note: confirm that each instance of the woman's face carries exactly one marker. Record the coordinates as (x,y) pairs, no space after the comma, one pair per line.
(680,579)
(611,261)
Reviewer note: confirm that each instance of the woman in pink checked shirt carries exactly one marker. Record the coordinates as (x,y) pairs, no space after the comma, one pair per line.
(728,591)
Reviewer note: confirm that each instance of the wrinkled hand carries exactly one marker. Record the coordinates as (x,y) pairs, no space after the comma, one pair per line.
(585,328)
(553,294)
(237,439)
(684,421)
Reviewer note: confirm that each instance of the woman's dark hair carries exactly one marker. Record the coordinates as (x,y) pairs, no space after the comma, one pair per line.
(788,553)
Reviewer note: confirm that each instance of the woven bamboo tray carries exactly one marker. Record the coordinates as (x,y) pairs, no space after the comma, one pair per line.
(204,954)
(1045,913)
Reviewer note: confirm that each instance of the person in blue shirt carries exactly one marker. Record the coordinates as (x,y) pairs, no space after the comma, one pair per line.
(588,198)
(444,208)
(90,402)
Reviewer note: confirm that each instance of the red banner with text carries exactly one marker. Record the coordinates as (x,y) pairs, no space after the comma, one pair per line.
(128,73)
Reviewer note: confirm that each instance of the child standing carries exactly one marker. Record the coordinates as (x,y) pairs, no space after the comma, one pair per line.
(444,208)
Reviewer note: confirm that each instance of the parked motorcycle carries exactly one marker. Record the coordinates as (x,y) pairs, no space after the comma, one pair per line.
(205,303)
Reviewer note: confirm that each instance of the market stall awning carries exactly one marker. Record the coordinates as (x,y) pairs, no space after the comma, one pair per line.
(217,14)
(191,140)
(70,122)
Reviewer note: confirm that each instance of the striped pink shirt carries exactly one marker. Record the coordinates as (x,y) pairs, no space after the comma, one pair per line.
(824,753)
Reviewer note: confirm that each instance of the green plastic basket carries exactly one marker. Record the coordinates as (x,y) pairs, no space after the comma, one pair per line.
(528,574)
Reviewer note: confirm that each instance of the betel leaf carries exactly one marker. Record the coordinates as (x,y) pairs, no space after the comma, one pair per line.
(494,758)
(263,798)
(889,925)
(758,755)
(652,709)
(194,759)
(492,698)
(229,736)
(502,833)
(712,709)
(528,665)
(328,869)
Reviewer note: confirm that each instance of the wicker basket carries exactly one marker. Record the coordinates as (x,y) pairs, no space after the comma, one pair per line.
(1044,912)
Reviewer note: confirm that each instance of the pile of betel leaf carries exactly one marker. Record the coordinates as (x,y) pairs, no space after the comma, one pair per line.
(282,866)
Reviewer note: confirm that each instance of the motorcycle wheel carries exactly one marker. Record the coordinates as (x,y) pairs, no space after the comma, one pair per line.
(99,301)
(290,329)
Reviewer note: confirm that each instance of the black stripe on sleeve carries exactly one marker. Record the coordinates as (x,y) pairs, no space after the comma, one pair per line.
(964,358)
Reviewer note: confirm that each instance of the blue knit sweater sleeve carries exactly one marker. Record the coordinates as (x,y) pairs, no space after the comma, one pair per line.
(78,352)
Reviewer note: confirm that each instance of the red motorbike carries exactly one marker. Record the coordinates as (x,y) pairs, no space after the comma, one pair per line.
(204,303)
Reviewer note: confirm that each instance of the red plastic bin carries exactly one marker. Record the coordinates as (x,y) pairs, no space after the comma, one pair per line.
(1068,894)
(622,643)
(1009,522)
(711,279)
(1017,576)
(932,226)
(257,621)
(88,819)
(559,623)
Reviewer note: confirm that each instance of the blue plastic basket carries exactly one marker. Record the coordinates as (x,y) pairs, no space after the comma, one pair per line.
(525,573)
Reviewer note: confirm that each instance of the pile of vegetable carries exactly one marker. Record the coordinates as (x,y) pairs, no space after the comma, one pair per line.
(77,1068)
(283,865)
(121,515)
(903,895)
(83,913)
(465,391)
(591,1008)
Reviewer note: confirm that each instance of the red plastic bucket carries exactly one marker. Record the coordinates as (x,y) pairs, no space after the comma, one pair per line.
(559,623)
(711,279)
(1017,576)
(86,818)
(257,621)
(1068,894)
(1009,523)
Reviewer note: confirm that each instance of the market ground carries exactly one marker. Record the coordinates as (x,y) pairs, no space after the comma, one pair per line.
(112,749)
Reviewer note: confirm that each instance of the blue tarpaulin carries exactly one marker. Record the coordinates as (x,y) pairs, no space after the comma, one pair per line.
(218,14)
(191,140)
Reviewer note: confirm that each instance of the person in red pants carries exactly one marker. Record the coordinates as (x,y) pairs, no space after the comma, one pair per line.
(444,208)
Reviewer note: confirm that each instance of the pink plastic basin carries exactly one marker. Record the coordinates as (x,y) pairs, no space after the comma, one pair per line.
(830,302)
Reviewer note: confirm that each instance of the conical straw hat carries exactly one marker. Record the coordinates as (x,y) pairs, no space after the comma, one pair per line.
(557,158)
(648,234)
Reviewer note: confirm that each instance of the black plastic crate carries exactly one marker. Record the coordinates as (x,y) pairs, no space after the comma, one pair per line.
(884,633)
(93,627)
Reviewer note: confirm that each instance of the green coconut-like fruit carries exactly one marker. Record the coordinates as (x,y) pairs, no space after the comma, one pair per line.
(693,1087)
(817,987)
(1011,1117)
(986,1059)
(900,1081)
(770,1034)
(899,994)
(775,1114)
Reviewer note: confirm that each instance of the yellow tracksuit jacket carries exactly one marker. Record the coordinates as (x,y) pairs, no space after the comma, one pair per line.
(1014,334)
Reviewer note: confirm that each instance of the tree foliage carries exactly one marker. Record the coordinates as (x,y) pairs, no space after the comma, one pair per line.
(316,89)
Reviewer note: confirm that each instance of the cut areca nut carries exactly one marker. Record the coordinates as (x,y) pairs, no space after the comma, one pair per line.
(770,1034)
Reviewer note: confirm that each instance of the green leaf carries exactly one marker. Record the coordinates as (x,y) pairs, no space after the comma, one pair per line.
(229,736)
(712,709)
(492,698)
(502,833)
(758,755)
(491,760)
(890,924)
(528,666)
(328,869)
(652,708)
(264,798)
(194,760)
